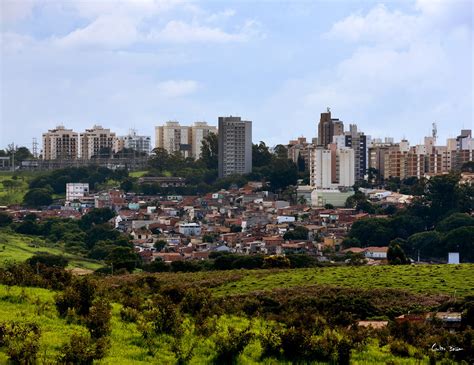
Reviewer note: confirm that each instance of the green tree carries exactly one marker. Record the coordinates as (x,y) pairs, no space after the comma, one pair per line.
(298,233)
(5,219)
(427,244)
(38,198)
(454,221)
(372,232)
(396,255)
(261,155)
(461,240)
(209,151)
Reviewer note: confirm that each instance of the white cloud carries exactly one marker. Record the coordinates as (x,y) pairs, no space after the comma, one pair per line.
(15,10)
(181,32)
(177,88)
(112,31)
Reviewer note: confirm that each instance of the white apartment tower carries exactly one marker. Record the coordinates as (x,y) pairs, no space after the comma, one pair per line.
(332,168)
(133,141)
(96,141)
(60,143)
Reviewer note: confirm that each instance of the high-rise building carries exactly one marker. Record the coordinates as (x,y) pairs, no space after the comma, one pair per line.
(199,131)
(96,142)
(60,143)
(174,137)
(328,128)
(331,168)
(299,149)
(235,146)
(133,141)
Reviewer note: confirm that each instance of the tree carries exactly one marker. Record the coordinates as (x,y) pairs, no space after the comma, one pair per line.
(276,261)
(461,240)
(209,151)
(261,155)
(299,233)
(454,221)
(301,163)
(426,244)
(96,216)
(443,193)
(281,152)
(160,244)
(395,255)
(38,198)
(5,219)
(127,185)
(159,159)
(372,232)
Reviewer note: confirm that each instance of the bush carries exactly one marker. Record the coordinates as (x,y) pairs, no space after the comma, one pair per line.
(21,341)
(48,260)
(78,297)
(98,319)
(231,344)
(400,348)
(276,261)
(83,350)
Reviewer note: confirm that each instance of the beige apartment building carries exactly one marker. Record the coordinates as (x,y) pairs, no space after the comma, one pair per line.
(173,137)
(97,141)
(60,143)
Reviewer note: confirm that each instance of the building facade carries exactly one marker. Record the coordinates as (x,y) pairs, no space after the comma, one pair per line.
(328,128)
(60,144)
(174,137)
(132,140)
(234,146)
(199,131)
(332,168)
(96,142)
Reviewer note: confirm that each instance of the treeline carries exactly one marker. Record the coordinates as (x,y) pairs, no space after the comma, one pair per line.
(230,261)
(436,223)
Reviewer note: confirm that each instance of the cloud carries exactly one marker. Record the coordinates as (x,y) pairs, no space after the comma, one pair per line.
(181,32)
(177,88)
(14,10)
(111,31)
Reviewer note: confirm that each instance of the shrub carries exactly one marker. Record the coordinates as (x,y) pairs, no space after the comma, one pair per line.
(98,319)
(78,297)
(231,344)
(21,341)
(48,259)
(399,348)
(83,350)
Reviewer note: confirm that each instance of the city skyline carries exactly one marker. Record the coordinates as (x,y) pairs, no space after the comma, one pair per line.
(391,69)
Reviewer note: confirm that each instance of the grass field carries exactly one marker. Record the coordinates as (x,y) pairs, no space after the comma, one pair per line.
(37,305)
(137,173)
(14,195)
(17,247)
(454,280)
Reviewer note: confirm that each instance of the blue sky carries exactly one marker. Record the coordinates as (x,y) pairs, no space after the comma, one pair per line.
(393,68)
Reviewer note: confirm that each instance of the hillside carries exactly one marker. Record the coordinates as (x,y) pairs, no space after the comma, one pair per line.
(18,247)
(127,345)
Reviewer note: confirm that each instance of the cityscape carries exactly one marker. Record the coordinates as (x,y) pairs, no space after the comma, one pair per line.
(257,183)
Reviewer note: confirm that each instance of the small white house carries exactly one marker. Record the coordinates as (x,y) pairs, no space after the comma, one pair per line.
(190,229)
(376,252)
(76,191)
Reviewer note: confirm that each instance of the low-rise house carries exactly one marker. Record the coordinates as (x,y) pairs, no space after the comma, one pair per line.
(376,252)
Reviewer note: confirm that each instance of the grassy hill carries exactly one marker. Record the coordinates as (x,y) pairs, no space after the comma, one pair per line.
(14,195)
(127,347)
(18,247)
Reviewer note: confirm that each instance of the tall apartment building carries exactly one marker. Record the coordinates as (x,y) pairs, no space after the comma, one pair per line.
(299,148)
(331,168)
(174,137)
(359,142)
(328,128)
(60,143)
(97,141)
(133,141)
(199,131)
(235,146)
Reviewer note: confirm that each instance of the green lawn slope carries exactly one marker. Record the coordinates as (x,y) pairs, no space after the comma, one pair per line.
(18,247)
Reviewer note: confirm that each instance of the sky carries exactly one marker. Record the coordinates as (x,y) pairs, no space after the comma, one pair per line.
(392,68)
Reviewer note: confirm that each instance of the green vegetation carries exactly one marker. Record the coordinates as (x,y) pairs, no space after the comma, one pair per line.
(19,247)
(13,187)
